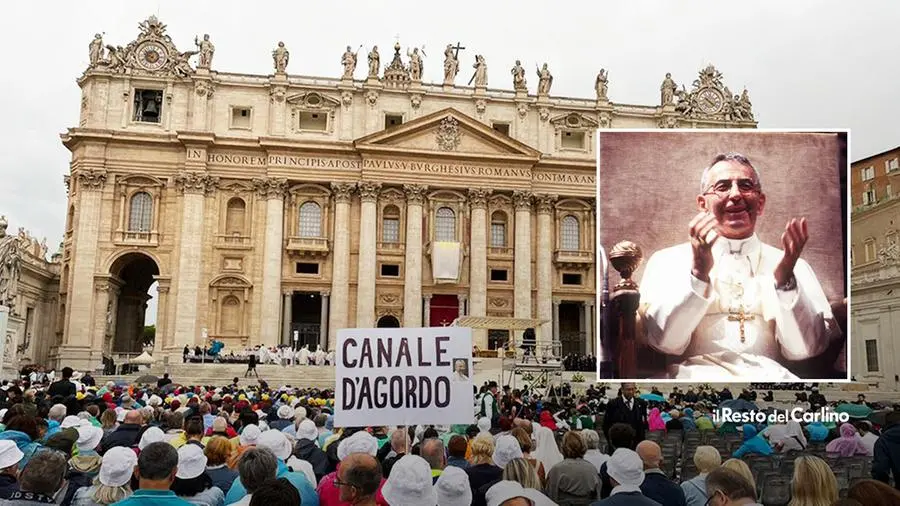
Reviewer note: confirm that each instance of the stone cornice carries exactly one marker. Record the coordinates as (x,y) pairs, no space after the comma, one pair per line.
(91,180)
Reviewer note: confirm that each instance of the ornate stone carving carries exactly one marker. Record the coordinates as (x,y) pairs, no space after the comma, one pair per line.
(522,110)
(448,134)
(415,193)
(574,120)
(601,85)
(498,302)
(196,182)
(348,60)
(270,188)
(95,50)
(605,120)
(207,50)
(390,299)
(711,99)
(91,180)
(478,197)
(519,81)
(152,53)
(545,81)
(451,63)
(415,64)
(522,200)
(67,180)
(204,89)
(480,77)
(343,192)
(280,57)
(545,203)
(544,113)
(368,190)
(667,90)
(277,93)
(347,98)
(372,98)
(668,122)
(480,106)
(415,100)
(10,258)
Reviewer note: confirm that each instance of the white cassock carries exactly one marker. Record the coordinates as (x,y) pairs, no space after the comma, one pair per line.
(329,357)
(706,332)
(320,357)
(304,355)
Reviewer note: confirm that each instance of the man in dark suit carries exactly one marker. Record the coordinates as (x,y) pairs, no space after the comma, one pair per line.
(627,409)
(63,387)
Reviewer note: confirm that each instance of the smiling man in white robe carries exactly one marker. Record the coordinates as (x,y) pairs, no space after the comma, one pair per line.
(731,307)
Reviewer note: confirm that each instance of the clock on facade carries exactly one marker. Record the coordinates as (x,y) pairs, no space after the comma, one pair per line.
(151,56)
(710,100)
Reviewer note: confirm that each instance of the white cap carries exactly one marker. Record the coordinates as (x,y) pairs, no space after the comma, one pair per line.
(505,449)
(250,435)
(307,430)
(117,466)
(70,421)
(276,441)
(299,412)
(409,483)
(359,442)
(154,401)
(10,454)
(503,491)
(151,435)
(191,461)
(88,438)
(453,488)
(484,424)
(626,467)
(285,412)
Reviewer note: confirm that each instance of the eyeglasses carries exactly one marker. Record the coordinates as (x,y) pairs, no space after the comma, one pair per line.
(709,500)
(339,483)
(722,188)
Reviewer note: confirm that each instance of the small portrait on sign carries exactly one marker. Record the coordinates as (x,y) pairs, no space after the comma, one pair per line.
(460,369)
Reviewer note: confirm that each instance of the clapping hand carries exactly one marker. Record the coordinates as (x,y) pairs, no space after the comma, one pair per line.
(793,240)
(703,236)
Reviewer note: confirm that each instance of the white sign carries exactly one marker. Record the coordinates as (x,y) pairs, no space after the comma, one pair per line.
(403,376)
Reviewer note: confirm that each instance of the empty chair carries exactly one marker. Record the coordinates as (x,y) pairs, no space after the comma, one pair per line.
(776,491)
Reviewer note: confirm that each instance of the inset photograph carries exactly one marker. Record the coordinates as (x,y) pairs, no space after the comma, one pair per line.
(725,255)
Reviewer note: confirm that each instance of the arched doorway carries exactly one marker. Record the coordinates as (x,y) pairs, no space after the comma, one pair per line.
(135,273)
(388,322)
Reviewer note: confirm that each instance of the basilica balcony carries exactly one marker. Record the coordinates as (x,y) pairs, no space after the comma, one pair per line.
(573,259)
(500,253)
(131,237)
(233,241)
(313,247)
(391,248)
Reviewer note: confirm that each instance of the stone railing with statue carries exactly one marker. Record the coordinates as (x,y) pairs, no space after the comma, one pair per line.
(16,252)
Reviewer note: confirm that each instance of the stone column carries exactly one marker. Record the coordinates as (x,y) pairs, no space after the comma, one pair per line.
(103,285)
(589,345)
(271,190)
(463,302)
(478,261)
(286,317)
(556,303)
(427,317)
(522,262)
(163,338)
(365,288)
(545,241)
(75,350)
(412,282)
(323,321)
(194,186)
(340,258)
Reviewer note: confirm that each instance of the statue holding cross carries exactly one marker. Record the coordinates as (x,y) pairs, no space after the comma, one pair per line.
(451,62)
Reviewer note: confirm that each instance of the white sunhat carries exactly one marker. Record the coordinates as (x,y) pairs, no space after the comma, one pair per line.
(250,435)
(506,449)
(626,467)
(503,491)
(276,441)
(307,430)
(285,412)
(410,483)
(453,488)
(191,462)
(117,466)
(151,435)
(70,421)
(359,442)
(10,454)
(88,438)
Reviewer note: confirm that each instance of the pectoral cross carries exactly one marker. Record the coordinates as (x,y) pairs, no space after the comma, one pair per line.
(457,47)
(740,316)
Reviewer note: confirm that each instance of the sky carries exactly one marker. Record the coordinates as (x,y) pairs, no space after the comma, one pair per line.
(806,64)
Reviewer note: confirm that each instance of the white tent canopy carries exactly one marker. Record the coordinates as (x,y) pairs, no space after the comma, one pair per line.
(143,359)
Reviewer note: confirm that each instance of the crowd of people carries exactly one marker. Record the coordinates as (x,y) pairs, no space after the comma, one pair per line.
(71,443)
(279,355)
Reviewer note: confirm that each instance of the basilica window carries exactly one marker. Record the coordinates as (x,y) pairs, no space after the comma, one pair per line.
(445,225)
(498,229)
(872,355)
(310,220)
(870,250)
(390,225)
(234,217)
(570,234)
(141,212)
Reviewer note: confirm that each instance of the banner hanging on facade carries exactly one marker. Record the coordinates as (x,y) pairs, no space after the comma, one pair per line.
(403,376)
